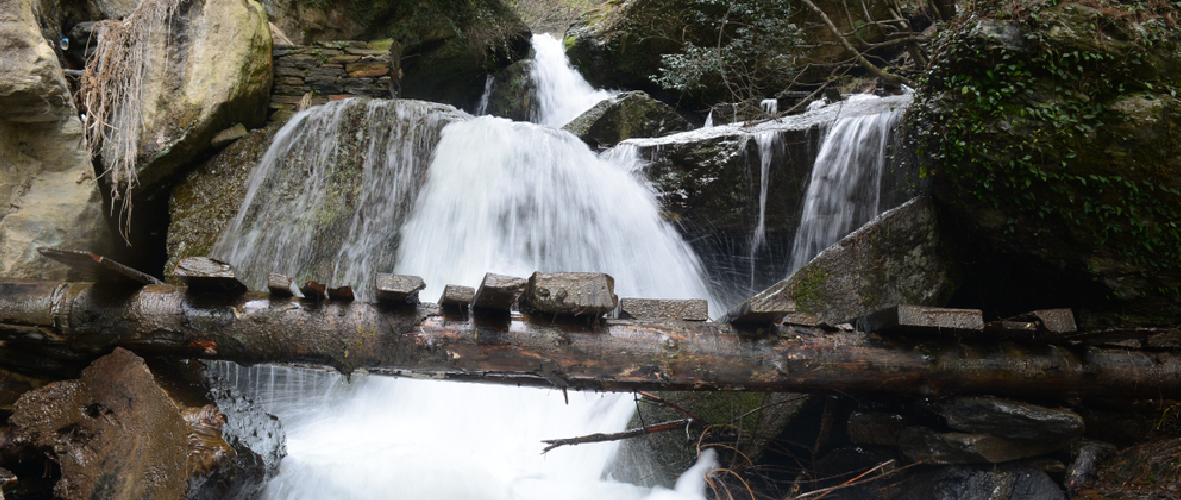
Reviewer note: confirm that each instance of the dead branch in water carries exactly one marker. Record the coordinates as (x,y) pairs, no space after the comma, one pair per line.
(616,436)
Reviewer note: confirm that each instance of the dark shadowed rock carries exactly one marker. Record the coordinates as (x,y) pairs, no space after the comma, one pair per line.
(570,294)
(928,320)
(897,258)
(207,274)
(514,93)
(395,289)
(498,292)
(1088,453)
(973,483)
(923,444)
(1150,470)
(625,116)
(664,309)
(874,428)
(117,433)
(1011,419)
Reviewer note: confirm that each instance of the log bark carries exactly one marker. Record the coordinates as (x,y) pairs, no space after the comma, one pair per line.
(83,319)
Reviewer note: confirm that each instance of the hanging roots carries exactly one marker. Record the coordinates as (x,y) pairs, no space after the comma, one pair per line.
(111,88)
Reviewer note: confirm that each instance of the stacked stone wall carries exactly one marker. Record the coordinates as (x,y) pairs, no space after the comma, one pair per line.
(329,71)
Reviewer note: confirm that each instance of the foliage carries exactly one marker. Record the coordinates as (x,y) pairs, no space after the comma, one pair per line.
(747,46)
(551,16)
(1036,133)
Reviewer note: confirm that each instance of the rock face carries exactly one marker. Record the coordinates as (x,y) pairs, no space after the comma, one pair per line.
(627,115)
(898,258)
(1011,419)
(1070,165)
(446,48)
(205,71)
(514,93)
(118,434)
(47,188)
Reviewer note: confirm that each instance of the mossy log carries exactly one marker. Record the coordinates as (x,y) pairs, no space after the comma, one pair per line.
(81,319)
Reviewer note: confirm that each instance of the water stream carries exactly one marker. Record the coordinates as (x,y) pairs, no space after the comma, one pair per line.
(498,196)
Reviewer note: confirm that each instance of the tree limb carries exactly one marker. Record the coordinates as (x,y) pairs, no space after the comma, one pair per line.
(873,70)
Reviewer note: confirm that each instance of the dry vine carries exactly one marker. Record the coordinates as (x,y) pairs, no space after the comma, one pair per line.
(111,92)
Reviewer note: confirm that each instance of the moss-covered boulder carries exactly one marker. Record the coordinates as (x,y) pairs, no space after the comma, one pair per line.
(1053,138)
(514,93)
(900,257)
(624,116)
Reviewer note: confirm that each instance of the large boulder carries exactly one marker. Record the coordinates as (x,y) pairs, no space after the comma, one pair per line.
(47,185)
(514,93)
(118,433)
(901,257)
(624,116)
(192,68)
(1052,140)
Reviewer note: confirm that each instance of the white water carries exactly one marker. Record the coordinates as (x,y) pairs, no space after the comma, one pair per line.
(489,84)
(562,93)
(846,181)
(766,141)
(500,196)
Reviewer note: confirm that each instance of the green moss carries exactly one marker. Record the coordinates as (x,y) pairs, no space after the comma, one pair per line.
(809,291)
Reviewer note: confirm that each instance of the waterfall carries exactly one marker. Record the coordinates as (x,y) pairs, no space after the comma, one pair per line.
(489,85)
(324,201)
(562,93)
(765,142)
(457,196)
(845,185)
(513,198)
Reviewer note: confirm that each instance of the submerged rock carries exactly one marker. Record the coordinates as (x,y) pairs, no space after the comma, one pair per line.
(898,258)
(625,116)
(118,433)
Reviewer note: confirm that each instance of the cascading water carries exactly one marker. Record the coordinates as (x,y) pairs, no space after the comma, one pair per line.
(562,93)
(500,196)
(846,181)
(765,141)
(337,178)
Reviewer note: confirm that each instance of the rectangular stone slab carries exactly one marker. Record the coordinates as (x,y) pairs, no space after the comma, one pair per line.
(498,292)
(923,320)
(396,289)
(570,294)
(457,296)
(279,285)
(664,309)
(207,274)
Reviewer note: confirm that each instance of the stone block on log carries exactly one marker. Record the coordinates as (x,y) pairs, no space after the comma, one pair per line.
(925,320)
(343,292)
(279,285)
(570,294)
(314,290)
(498,292)
(209,275)
(1011,419)
(394,289)
(664,309)
(457,297)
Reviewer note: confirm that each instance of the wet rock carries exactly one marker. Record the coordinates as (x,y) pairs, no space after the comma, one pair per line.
(13,384)
(514,93)
(1055,321)
(874,428)
(1150,470)
(314,291)
(208,275)
(923,444)
(341,293)
(457,297)
(189,92)
(117,433)
(897,258)
(972,483)
(1087,453)
(498,292)
(627,115)
(664,309)
(922,320)
(1011,419)
(48,194)
(394,289)
(570,294)
(279,285)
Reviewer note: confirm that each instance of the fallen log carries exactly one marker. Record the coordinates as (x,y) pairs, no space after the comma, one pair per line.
(617,355)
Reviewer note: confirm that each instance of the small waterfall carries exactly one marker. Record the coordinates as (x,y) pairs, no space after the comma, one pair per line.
(562,93)
(489,84)
(513,198)
(770,106)
(709,120)
(845,186)
(324,202)
(766,141)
